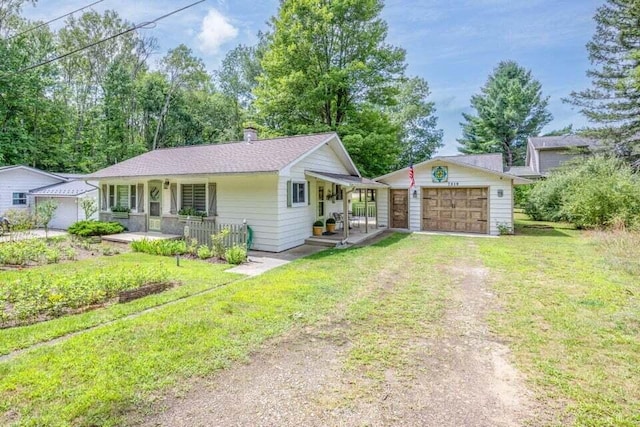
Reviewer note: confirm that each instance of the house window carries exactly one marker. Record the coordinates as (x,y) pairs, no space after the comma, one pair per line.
(19,199)
(194,196)
(339,192)
(299,193)
(112,195)
(123,196)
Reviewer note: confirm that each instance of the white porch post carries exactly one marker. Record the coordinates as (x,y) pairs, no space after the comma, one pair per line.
(345,214)
(366,211)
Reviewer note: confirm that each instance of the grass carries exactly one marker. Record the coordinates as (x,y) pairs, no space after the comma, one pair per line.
(96,377)
(195,277)
(571,316)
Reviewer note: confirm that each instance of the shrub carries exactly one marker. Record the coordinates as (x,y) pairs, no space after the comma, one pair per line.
(191,212)
(38,251)
(204,252)
(89,205)
(160,247)
(330,221)
(89,228)
(318,223)
(598,192)
(521,195)
(236,255)
(20,219)
(217,243)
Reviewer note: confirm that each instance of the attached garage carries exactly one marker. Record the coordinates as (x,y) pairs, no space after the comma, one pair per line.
(464,194)
(67,197)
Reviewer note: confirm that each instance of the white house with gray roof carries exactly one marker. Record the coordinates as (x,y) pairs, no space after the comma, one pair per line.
(23,187)
(279,186)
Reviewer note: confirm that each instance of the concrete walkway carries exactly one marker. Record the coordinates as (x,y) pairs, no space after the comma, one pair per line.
(31,234)
(261,262)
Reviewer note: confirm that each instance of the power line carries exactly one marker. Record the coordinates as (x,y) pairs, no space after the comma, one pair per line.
(53,20)
(135,27)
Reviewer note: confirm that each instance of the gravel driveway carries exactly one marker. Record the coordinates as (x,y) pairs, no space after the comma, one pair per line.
(461,376)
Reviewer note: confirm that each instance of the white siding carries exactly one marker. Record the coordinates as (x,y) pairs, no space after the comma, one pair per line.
(21,181)
(295,223)
(500,208)
(383,207)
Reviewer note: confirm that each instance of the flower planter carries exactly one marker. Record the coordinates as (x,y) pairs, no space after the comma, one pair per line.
(120,215)
(317,231)
(331,228)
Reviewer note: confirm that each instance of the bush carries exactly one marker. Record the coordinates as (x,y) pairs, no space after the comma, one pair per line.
(191,212)
(89,228)
(20,219)
(160,247)
(33,251)
(330,221)
(318,223)
(521,195)
(598,192)
(236,255)
(217,243)
(119,208)
(204,252)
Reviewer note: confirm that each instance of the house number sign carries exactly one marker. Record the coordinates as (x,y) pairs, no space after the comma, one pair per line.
(440,174)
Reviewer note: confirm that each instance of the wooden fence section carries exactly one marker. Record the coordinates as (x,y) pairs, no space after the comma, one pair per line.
(202,231)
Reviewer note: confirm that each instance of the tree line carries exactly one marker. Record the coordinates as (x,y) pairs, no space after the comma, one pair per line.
(320,66)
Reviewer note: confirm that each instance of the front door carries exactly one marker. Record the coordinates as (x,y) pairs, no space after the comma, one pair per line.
(399,209)
(155,205)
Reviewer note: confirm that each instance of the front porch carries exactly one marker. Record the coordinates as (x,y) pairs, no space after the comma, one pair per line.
(356,236)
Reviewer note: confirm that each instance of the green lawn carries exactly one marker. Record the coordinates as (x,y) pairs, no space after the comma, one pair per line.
(572,317)
(570,313)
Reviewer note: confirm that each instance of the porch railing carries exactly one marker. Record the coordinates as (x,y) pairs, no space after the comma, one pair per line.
(358,209)
(202,231)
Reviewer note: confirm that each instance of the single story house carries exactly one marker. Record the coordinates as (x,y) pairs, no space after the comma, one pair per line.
(545,153)
(22,187)
(468,194)
(278,186)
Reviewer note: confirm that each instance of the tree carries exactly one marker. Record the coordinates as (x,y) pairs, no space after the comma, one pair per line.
(613,102)
(509,109)
(327,66)
(414,114)
(45,211)
(89,206)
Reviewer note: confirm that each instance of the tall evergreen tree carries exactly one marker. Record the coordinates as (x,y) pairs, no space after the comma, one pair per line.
(509,109)
(613,101)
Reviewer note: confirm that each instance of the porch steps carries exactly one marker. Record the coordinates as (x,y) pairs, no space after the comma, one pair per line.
(316,241)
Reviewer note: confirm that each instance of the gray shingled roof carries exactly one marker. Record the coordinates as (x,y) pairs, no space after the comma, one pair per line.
(492,161)
(267,155)
(71,188)
(563,141)
(523,171)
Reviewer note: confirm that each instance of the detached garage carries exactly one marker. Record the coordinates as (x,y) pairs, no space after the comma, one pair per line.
(67,196)
(465,194)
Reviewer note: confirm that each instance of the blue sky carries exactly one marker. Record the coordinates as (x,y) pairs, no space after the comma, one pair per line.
(453,44)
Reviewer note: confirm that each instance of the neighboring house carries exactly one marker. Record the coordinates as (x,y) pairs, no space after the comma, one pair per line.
(22,187)
(279,186)
(67,196)
(470,194)
(545,153)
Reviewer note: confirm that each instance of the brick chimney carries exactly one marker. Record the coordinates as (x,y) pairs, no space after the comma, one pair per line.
(250,134)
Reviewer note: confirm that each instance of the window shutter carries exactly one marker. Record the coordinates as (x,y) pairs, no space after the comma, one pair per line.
(104,197)
(213,203)
(308,193)
(289,190)
(140,198)
(173,189)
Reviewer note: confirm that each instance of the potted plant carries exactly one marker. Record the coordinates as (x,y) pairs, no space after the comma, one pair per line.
(331,225)
(120,212)
(318,226)
(190,214)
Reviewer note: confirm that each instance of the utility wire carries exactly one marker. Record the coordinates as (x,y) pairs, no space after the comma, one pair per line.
(53,20)
(135,27)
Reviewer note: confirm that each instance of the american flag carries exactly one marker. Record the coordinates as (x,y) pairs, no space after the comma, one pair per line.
(412,180)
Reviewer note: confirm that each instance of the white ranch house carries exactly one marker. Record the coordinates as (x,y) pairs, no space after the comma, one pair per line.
(281,186)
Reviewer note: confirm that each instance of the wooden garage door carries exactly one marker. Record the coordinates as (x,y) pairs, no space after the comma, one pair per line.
(455,209)
(399,209)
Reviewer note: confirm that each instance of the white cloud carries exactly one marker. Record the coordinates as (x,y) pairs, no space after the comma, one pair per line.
(216,30)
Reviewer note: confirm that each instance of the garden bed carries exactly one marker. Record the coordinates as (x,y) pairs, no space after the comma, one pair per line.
(39,251)
(36,296)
